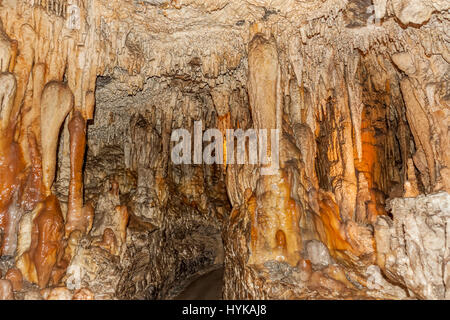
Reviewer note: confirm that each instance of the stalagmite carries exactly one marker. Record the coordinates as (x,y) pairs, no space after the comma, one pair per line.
(411,187)
(45,243)
(262,83)
(122,217)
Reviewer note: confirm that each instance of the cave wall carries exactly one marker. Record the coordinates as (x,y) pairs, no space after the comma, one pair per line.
(356,98)
(91,201)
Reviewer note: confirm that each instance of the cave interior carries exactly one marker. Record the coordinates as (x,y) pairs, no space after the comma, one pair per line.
(93,205)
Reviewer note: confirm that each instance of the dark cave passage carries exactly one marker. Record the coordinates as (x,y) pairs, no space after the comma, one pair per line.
(207,286)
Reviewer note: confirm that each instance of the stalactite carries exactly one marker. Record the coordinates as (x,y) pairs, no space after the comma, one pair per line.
(7,93)
(56,103)
(264,99)
(108,242)
(33,190)
(345,185)
(355,100)
(31,114)
(78,217)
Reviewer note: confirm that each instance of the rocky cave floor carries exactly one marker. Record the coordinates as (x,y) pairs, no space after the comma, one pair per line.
(93,205)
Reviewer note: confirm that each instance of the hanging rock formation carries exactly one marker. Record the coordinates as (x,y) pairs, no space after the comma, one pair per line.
(354,94)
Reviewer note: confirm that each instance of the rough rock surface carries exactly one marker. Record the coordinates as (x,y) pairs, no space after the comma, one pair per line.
(413,247)
(358,90)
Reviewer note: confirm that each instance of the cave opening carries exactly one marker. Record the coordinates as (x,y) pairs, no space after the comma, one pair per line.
(176,211)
